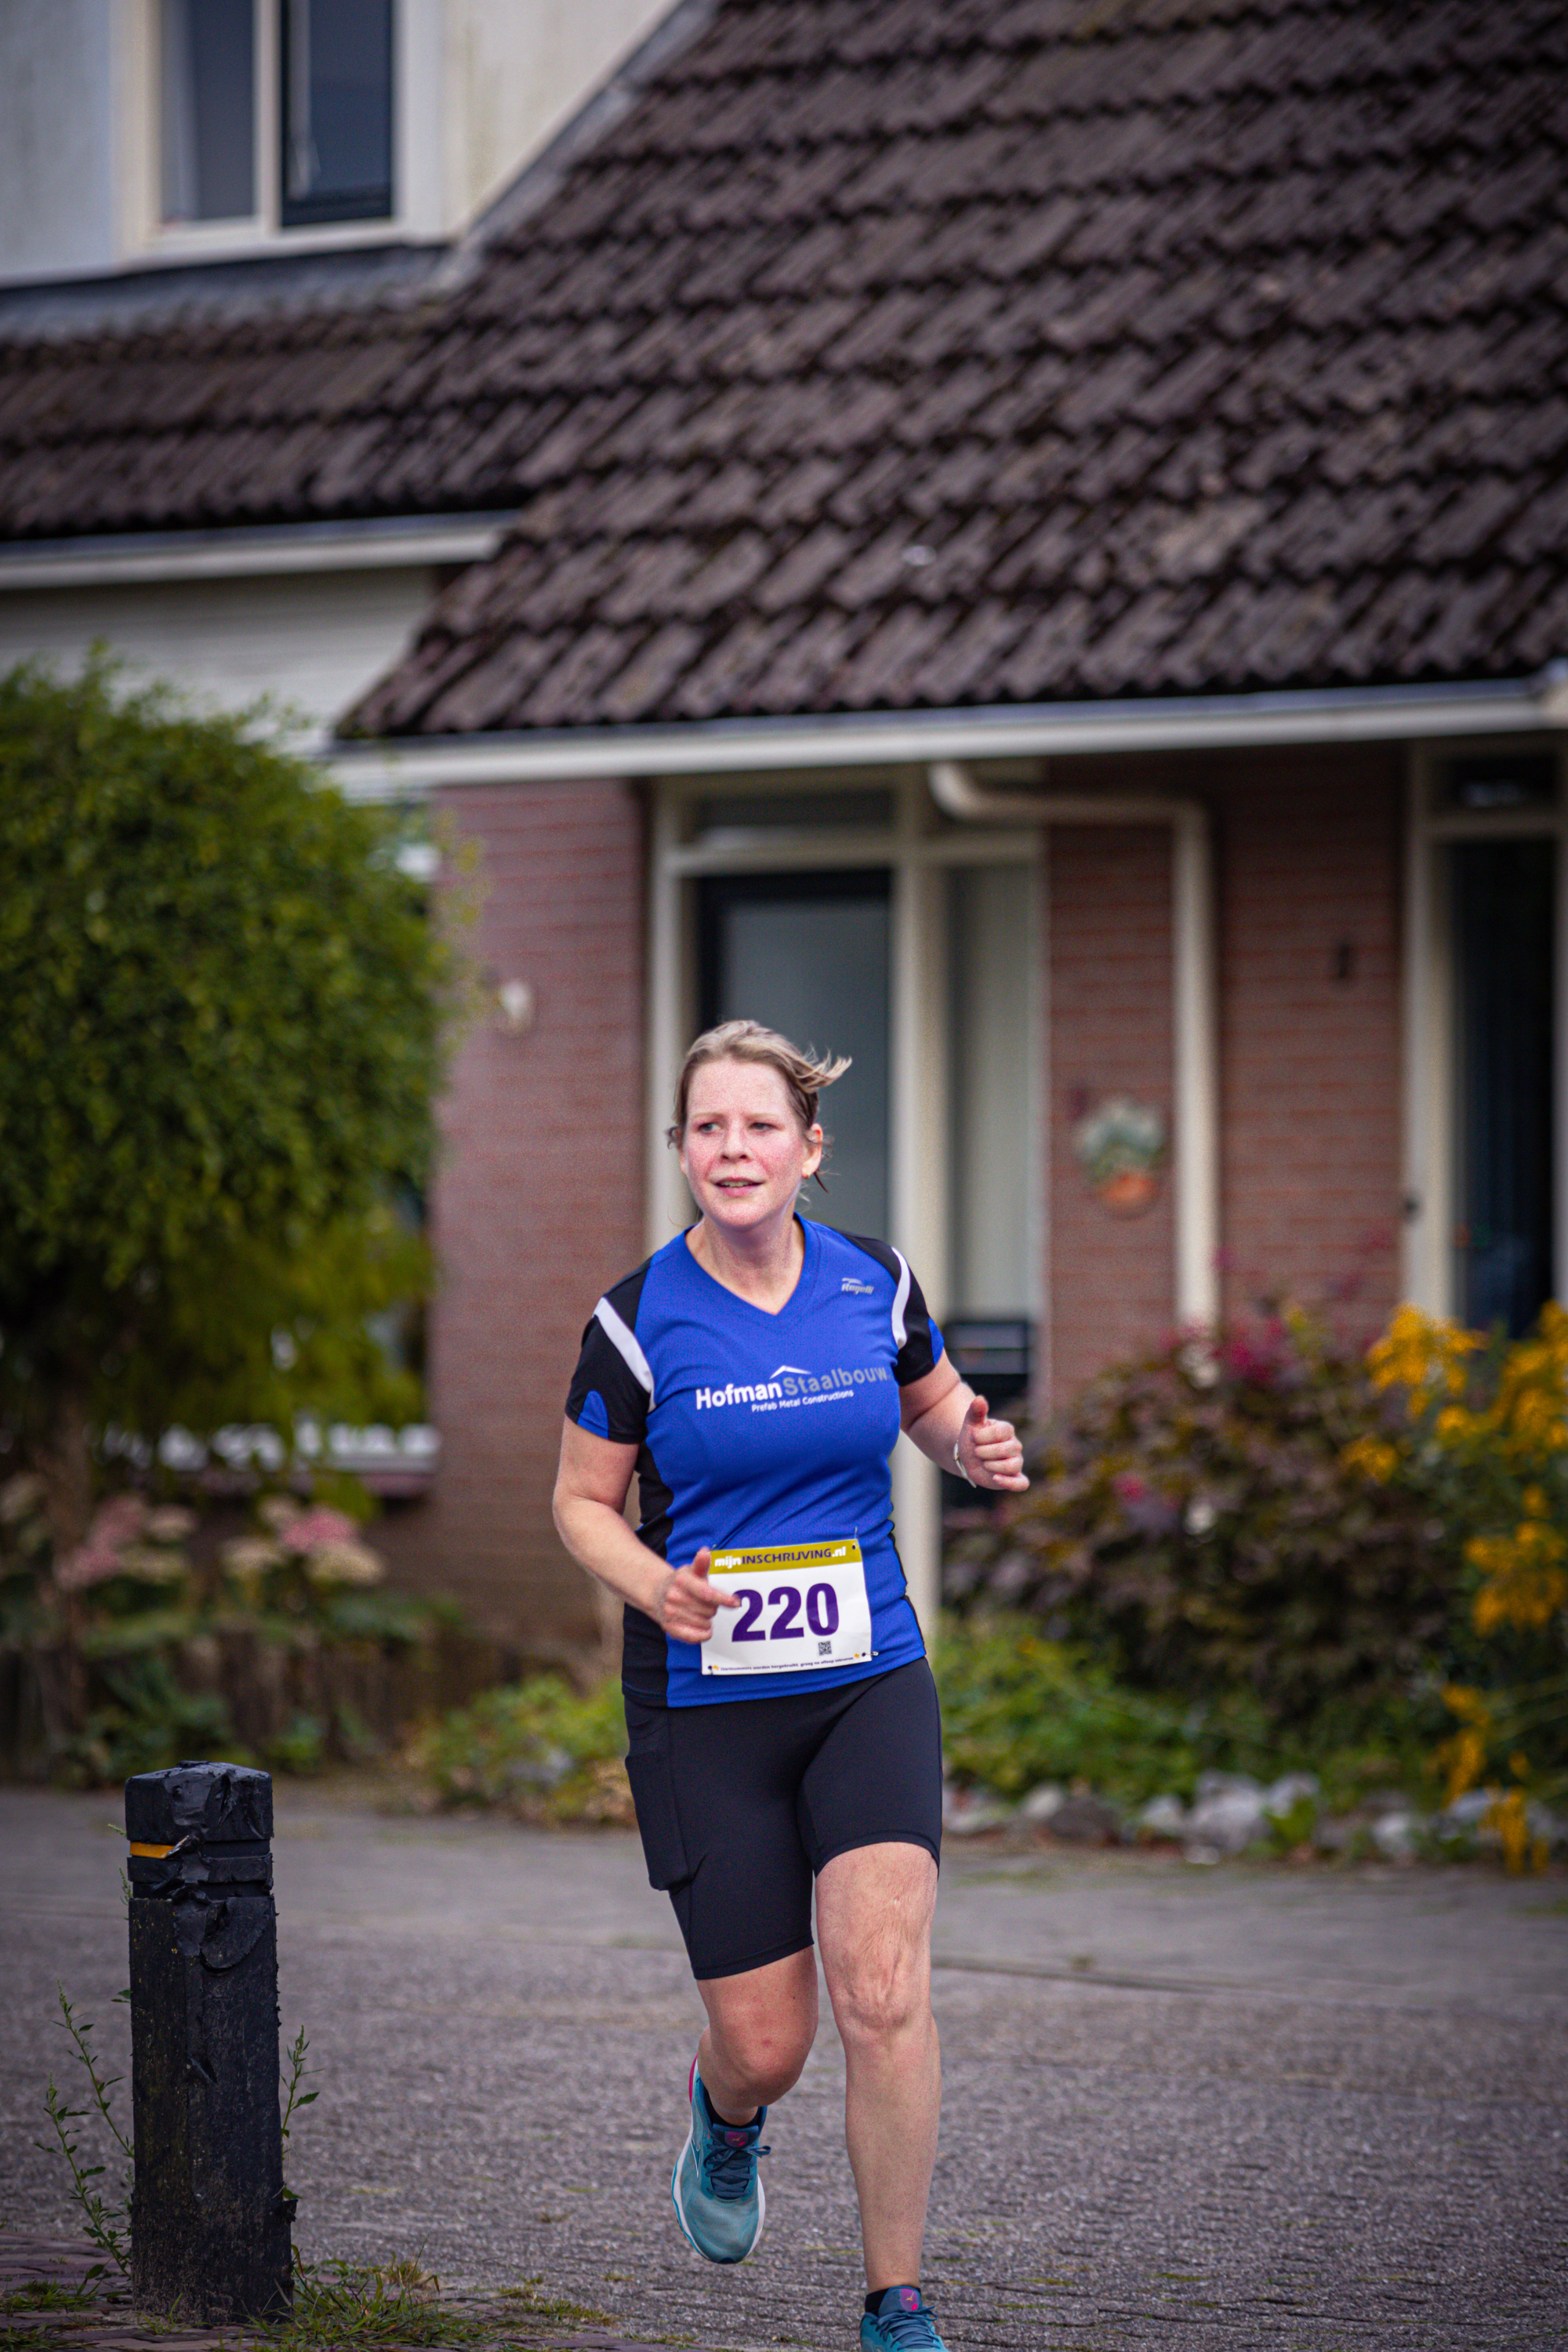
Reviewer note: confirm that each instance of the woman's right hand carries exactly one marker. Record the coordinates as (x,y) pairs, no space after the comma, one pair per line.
(689,1604)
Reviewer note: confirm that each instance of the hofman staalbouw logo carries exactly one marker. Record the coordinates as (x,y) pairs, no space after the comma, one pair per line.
(789,1384)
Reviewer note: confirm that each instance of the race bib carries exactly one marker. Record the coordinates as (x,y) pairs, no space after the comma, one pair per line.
(801,1606)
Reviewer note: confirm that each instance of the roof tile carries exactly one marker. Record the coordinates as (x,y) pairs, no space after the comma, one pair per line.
(725,678)
(649,575)
(1047,660)
(893,659)
(805,569)
(509,666)
(732,567)
(1466,526)
(1543,625)
(797,493)
(592,657)
(652,670)
(812,665)
(1541,528)
(972,643)
(417,685)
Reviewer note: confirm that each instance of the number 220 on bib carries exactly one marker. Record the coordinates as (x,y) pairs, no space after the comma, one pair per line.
(801,1606)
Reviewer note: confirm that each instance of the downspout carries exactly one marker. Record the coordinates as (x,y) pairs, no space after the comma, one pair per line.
(1194,997)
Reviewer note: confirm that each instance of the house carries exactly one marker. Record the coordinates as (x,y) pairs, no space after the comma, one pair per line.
(1023,539)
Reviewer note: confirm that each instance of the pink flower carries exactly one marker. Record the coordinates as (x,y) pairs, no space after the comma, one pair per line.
(119,1520)
(318,1527)
(116,1523)
(89,1564)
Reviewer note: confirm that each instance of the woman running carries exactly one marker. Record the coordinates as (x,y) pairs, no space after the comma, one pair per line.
(783,1722)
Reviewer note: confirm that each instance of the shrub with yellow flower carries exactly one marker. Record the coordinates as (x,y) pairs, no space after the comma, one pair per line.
(1486,1431)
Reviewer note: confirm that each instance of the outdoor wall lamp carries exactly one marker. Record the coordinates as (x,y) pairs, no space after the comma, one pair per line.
(515,1000)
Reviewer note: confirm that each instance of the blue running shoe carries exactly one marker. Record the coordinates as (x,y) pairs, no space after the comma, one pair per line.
(719,2199)
(902,2320)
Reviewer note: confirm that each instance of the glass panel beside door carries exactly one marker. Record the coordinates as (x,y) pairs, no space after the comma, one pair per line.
(1503,895)
(808,953)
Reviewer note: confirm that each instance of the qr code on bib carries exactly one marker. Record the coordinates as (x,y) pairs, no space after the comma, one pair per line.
(825,1649)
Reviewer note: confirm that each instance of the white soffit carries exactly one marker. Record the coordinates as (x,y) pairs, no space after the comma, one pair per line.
(370,546)
(390,770)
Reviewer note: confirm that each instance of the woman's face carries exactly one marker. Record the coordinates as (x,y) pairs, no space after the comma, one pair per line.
(744,1153)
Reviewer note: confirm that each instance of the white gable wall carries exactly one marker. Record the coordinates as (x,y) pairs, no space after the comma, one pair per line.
(58,137)
(515,74)
(316,640)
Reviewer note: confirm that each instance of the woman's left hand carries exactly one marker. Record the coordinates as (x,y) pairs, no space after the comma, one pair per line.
(988,1452)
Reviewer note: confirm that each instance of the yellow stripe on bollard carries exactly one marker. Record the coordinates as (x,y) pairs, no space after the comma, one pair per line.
(152,1853)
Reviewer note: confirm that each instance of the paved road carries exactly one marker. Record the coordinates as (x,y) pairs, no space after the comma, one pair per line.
(1246,2106)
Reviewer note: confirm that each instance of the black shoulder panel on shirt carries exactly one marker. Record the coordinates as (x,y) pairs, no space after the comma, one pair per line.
(607,1396)
(626,1296)
(885,1256)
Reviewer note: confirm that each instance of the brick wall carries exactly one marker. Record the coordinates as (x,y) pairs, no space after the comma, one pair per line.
(538,1201)
(1110,1278)
(1309,866)
(1308,857)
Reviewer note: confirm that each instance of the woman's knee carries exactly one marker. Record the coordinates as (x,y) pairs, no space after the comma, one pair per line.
(874,1919)
(881,1998)
(766,2072)
(763,2032)
(767,2060)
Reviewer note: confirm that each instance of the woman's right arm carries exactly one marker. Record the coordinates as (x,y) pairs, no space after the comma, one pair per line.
(591,1487)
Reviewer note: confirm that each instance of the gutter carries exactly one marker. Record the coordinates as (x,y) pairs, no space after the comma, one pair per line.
(380,543)
(1194,995)
(391,768)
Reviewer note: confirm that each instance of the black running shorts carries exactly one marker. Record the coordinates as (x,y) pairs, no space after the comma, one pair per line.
(740,1804)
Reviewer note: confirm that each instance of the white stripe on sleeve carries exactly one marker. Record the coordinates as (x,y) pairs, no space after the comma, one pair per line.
(902,1299)
(624,1339)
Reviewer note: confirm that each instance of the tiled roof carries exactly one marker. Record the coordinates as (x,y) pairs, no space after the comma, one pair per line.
(890,353)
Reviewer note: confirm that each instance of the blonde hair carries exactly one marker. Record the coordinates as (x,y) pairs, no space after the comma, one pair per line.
(804,1074)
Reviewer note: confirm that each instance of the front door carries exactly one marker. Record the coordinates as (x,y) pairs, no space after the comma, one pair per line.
(806,953)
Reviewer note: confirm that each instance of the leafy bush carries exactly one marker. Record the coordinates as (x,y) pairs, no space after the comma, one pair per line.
(144,1722)
(224,1013)
(139,1656)
(1018,1708)
(1195,1521)
(536,1748)
(1481,1436)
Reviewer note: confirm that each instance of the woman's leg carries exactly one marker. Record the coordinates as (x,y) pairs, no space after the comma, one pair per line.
(761,2026)
(874,1911)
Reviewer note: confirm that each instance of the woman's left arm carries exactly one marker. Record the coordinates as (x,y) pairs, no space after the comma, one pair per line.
(953,1426)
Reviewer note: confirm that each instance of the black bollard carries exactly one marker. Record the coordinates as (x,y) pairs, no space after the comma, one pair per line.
(209,2218)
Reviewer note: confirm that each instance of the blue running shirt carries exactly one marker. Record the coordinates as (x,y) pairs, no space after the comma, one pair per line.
(757,1428)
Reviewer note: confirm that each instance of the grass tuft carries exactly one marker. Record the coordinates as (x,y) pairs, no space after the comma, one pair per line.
(340,2304)
(556,2308)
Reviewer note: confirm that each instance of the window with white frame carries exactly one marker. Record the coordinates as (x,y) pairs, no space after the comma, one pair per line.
(304,86)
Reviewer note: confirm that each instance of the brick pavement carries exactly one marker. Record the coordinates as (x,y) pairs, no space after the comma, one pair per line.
(1233,2109)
